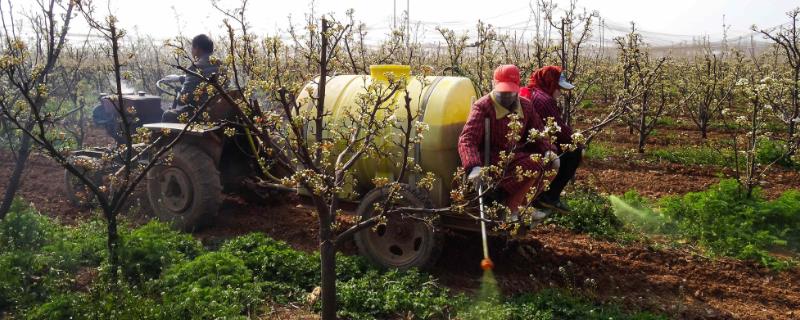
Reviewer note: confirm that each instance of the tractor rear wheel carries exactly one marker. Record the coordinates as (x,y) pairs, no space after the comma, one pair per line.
(185,190)
(397,241)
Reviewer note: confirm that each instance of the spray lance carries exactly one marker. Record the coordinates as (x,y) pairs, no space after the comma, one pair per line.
(486,263)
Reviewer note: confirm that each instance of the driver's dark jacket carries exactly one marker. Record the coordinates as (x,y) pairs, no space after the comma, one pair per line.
(188,96)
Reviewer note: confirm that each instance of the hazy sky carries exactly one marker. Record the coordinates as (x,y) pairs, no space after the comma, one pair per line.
(662,21)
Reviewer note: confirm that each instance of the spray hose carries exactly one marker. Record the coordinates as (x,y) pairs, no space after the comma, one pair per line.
(255,153)
(486,263)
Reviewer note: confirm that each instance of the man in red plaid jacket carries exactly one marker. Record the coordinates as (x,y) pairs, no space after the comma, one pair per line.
(498,106)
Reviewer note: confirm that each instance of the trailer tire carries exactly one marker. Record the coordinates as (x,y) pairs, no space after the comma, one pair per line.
(399,243)
(78,194)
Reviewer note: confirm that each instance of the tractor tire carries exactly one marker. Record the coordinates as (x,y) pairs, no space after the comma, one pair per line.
(398,242)
(185,190)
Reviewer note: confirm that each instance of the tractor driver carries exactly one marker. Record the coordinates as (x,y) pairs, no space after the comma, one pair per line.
(193,92)
(498,106)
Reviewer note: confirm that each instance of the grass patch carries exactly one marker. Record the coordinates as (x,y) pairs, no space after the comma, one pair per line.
(691,156)
(600,151)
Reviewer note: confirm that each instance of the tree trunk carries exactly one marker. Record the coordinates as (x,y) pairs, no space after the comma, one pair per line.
(704,129)
(795,103)
(642,129)
(16,176)
(326,244)
(328,269)
(112,242)
(640,147)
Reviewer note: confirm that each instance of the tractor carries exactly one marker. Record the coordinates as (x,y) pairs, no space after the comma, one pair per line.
(187,190)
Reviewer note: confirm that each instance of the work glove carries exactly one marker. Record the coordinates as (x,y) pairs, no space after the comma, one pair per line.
(553,158)
(475,176)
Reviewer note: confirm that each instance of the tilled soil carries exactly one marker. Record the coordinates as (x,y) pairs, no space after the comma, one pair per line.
(639,276)
(673,282)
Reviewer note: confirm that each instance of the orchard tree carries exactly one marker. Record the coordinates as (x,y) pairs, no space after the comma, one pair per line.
(707,84)
(787,40)
(107,180)
(26,67)
(643,76)
(752,120)
(573,29)
(477,64)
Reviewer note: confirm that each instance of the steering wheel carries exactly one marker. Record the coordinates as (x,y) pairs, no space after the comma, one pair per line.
(170,85)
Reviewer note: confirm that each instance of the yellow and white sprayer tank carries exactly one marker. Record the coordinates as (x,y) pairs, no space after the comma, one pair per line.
(444,103)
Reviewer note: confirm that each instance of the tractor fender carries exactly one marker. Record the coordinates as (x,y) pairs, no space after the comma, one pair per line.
(206,138)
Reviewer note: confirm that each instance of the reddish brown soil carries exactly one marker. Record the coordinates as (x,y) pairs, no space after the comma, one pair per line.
(675,282)
(42,185)
(620,173)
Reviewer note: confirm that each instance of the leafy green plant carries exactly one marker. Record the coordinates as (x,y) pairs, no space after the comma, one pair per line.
(558,304)
(286,274)
(25,229)
(599,151)
(213,285)
(692,156)
(727,222)
(769,151)
(105,301)
(637,212)
(591,213)
(38,256)
(151,248)
(276,261)
(392,294)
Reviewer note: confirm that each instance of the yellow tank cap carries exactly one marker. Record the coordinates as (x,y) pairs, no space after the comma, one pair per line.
(378,72)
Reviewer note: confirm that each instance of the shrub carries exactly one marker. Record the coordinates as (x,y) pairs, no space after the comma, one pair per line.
(769,151)
(287,274)
(395,293)
(727,222)
(150,249)
(25,229)
(38,256)
(213,285)
(591,213)
(106,301)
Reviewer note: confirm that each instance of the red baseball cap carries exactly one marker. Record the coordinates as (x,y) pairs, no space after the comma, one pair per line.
(506,78)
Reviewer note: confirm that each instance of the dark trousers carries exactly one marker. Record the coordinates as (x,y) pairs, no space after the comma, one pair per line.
(570,161)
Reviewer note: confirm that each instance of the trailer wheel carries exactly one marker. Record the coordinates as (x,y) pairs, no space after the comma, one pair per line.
(185,190)
(78,194)
(398,242)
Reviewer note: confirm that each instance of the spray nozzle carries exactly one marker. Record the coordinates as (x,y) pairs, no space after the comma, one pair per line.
(487,264)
